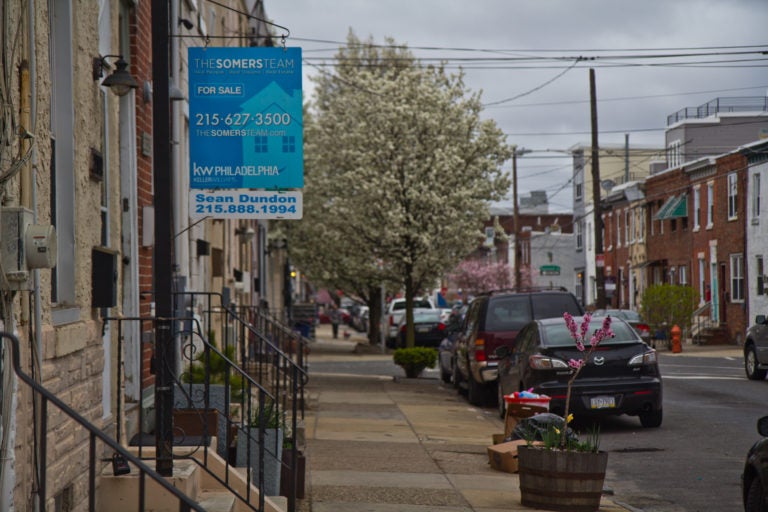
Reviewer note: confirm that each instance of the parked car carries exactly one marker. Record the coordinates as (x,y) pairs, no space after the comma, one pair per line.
(428,328)
(621,376)
(756,349)
(633,318)
(754,478)
(446,351)
(492,320)
(395,313)
(360,319)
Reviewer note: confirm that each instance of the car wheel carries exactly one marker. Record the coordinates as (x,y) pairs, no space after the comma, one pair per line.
(445,375)
(456,377)
(755,501)
(502,404)
(750,364)
(477,393)
(651,419)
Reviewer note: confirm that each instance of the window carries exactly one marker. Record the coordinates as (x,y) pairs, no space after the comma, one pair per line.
(733,189)
(760,271)
(674,155)
(579,226)
(696,208)
(672,272)
(289,144)
(627,237)
(737,278)
(62,155)
(260,144)
(710,205)
(641,227)
(618,229)
(755,197)
(683,275)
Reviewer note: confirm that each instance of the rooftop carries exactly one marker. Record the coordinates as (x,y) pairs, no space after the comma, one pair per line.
(719,106)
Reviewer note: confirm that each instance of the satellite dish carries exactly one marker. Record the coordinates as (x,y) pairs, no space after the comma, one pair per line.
(607,185)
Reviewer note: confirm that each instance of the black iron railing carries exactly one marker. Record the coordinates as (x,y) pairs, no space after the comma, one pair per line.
(236,389)
(95,435)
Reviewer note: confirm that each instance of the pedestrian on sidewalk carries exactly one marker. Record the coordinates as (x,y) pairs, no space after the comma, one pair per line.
(335,316)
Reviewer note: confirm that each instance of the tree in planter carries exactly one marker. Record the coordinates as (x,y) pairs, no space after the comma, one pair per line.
(272,420)
(415,359)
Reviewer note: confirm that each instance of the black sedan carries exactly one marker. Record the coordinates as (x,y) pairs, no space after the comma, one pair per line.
(428,328)
(754,479)
(621,376)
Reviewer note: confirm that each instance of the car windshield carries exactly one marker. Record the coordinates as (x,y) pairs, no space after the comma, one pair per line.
(430,315)
(626,314)
(557,335)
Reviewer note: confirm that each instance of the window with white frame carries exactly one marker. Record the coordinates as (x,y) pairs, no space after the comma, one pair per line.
(628,235)
(674,154)
(579,238)
(760,272)
(672,272)
(737,278)
(755,196)
(733,190)
(618,229)
(710,205)
(682,275)
(641,226)
(696,208)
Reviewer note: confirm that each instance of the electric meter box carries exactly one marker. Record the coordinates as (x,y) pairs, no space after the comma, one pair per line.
(14,223)
(24,246)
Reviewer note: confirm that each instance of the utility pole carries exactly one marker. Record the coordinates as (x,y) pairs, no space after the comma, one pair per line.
(164,357)
(516,224)
(599,255)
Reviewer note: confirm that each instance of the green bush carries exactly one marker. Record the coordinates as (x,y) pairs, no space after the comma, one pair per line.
(665,305)
(414,359)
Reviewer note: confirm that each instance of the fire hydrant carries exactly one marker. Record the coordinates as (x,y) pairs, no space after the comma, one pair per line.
(676,334)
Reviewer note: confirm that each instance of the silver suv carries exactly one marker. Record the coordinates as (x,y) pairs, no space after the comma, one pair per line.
(756,349)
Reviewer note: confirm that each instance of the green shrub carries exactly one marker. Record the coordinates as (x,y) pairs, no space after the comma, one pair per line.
(414,359)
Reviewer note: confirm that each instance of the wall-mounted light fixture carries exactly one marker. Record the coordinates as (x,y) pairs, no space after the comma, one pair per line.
(120,81)
(246,234)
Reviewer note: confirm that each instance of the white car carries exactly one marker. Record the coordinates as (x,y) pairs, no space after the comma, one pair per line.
(395,312)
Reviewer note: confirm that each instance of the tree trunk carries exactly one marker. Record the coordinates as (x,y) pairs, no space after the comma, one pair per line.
(409,291)
(374,315)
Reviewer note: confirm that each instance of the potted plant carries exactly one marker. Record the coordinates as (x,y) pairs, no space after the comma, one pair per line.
(271,419)
(564,473)
(415,359)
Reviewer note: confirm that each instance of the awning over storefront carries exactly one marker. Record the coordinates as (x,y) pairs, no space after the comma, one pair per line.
(675,208)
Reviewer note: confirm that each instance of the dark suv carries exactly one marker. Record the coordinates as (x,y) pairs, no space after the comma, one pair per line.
(494,319)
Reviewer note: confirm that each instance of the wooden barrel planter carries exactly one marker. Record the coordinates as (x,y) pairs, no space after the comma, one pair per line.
(561,480)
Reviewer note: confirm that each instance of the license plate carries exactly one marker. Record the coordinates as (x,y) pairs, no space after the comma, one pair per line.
(602,402)
(422,329)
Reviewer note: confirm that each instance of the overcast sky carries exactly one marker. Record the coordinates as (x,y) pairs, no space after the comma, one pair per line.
(543,103)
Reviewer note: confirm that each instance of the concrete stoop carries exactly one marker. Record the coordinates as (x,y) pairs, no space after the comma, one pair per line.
(121,493)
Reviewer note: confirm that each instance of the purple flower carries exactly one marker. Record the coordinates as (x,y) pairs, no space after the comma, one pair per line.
(576,363)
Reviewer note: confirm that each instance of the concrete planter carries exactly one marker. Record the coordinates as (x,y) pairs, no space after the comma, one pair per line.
(248,438)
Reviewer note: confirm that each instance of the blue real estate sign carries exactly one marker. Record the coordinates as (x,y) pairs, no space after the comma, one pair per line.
(245,118)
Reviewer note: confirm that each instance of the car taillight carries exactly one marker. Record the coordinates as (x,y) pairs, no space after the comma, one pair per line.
(643,329)
(643,359)
(441,326)
(540,362)
(480,349)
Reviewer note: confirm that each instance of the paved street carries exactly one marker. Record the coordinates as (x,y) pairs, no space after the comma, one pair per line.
(382,444)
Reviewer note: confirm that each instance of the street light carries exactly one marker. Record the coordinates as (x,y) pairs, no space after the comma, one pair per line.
(120,81)
(518,253)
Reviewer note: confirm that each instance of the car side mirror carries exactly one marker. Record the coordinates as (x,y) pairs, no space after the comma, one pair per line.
(762,426)
(760,319)
(502,351)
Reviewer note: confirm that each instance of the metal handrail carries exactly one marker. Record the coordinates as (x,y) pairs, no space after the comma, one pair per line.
(186,504)
(700,325)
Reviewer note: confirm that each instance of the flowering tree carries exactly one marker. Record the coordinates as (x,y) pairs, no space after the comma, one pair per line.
(399,172)
(476,276)
(579,334)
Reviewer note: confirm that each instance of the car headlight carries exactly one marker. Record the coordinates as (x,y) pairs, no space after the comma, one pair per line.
(646,358)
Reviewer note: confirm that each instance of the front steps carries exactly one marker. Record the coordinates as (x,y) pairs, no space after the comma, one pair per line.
(121,493)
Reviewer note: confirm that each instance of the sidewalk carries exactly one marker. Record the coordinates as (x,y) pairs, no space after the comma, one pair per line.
(383,444)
